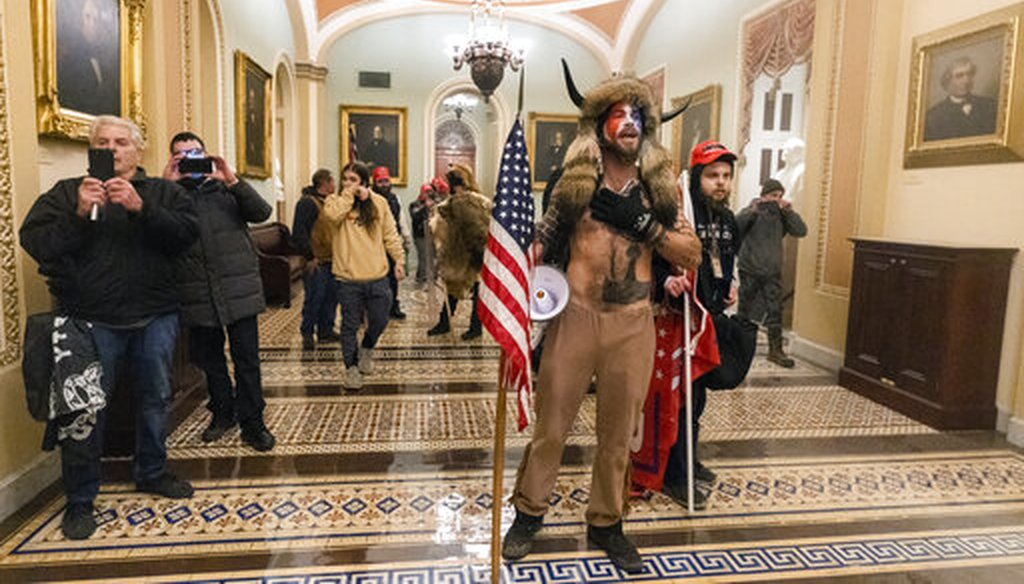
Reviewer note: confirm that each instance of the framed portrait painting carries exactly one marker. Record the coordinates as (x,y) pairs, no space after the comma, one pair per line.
(967,93)
(547,139)
(88,56)
(375,136)
(252,117)
(698,123)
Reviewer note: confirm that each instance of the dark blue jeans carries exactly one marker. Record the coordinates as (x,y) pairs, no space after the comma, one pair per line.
(358,298)
(321,302)
(244,402)
(149,350)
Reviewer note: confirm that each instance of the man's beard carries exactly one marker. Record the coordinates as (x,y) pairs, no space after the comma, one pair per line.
(626,156)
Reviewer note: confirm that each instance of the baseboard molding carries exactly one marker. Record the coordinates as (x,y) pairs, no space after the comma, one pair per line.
(819,355)
(1015,431)
(20,487)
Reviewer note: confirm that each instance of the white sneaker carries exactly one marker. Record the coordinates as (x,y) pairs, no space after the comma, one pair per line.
(365,361)
(353,379)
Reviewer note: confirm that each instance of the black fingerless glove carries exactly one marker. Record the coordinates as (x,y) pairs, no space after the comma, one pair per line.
(626,214)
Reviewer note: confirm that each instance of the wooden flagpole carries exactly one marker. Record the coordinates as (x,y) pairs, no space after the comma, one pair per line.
(497,490)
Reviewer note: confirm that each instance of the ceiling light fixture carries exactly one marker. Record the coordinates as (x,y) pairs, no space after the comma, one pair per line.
(488,49)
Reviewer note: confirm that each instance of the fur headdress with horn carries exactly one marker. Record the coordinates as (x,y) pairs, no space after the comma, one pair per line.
(583,158)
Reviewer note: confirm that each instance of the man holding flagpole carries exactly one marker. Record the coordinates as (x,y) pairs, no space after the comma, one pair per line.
(613,208)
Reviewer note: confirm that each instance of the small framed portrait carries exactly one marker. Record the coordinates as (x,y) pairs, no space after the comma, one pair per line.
(547,139)
(252,117)
(88,57)
(375,136)
(967,93)
(698,123)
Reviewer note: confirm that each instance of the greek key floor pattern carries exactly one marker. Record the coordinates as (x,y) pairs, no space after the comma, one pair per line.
(771,560)
(244,516)
(341,424)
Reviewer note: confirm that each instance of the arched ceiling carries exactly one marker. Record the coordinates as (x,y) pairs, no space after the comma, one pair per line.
(608,28)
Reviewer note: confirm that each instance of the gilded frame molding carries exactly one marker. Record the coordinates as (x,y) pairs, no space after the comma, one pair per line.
(1006,143)
(51,118)
(345,112)
(531,141)
(243,66)
(712,94)
(10,295)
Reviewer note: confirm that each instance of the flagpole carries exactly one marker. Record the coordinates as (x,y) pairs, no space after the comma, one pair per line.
(497,491)
(688,364)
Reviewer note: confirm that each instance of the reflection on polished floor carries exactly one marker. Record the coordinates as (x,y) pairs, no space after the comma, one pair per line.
(392,484)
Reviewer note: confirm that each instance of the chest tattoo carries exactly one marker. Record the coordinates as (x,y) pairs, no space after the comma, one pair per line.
(625,289)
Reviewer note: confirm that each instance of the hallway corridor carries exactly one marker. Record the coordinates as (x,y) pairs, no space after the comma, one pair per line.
(392,484)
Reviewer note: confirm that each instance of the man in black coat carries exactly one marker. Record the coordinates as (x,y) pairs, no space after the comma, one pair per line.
(219,280)
(382,185)
(108,250)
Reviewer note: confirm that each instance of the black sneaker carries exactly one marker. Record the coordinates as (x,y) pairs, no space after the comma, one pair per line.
(439,329)
(620,550)
(703,473)
(166,485)
(678,494)
(397,314)
(257,436)
(519,538)
(218,427)
(472,334)
(308,344)
(78,521)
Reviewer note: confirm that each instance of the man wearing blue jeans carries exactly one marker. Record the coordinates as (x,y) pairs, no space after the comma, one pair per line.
(312,235)
(108,248)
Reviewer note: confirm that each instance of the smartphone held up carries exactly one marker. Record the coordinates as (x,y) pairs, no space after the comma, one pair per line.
(101,167)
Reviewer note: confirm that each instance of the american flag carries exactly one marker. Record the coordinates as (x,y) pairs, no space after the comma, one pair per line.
(505,294)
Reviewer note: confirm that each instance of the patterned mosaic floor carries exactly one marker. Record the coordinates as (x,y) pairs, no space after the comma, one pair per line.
(773,560)
(343,424)
(248,516)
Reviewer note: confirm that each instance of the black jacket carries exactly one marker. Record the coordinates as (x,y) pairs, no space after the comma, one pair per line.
(118,270)
(219,276)
(306,214)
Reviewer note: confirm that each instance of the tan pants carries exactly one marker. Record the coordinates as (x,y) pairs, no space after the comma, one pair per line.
(617,347)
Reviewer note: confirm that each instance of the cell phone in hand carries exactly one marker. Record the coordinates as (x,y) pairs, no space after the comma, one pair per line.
(101,163)
(195,166)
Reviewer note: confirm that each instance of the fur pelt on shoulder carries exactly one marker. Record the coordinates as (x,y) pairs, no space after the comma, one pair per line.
(583,158)
(460,234)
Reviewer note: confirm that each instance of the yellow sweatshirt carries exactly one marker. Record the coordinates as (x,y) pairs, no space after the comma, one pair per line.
(360,253)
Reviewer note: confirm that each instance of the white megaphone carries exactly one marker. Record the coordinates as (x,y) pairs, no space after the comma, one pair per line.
(549,293)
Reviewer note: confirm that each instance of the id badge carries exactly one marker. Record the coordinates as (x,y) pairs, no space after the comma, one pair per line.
(716,267)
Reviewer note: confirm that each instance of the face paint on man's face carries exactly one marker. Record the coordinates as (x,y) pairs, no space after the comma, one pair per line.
(623,127)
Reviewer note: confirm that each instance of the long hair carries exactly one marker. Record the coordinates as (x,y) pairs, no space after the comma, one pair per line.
(367,210)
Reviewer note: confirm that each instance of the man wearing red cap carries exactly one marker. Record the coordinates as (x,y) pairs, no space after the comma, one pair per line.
(711,174)
(431,193)
(382,185)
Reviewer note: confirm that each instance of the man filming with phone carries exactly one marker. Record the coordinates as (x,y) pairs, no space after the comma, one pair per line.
(113,279)
(219,279)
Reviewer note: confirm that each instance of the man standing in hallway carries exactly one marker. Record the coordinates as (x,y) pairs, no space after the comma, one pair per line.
(313,236)
(108,249)
(612,210)
(219,279)
(762,226)
(382,185)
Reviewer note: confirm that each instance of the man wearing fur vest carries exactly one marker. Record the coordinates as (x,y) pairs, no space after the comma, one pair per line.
(460,233)
(612,210)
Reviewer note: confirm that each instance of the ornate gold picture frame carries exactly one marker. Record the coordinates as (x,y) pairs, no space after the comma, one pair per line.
(376,136)
(547,139)
(252,117)
(967,93)
(88,62)
(698,123)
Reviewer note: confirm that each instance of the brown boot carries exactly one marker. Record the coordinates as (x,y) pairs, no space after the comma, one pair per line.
(777,355)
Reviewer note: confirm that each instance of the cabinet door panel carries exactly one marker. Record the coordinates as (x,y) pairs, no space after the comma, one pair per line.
(873,324)
(922,315)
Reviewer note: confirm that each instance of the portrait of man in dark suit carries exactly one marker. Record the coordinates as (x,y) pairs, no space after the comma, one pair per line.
(961,112)
(88,46)
(552,141)
(377,140)
(254,121)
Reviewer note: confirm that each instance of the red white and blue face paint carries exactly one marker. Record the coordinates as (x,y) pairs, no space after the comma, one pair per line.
(623,127)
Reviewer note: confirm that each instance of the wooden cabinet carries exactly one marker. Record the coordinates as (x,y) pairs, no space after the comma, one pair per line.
(925,329)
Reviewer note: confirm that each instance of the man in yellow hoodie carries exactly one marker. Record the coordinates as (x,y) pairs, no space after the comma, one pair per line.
(366,235)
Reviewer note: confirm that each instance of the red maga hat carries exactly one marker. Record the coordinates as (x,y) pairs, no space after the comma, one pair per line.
(710,151)
(381,172)
(426,188)
(440,185)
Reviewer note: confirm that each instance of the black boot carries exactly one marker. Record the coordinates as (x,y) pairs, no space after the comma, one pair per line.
(78,521)
(219,425)
(519,538)
(677,492)
(620,550)
(775,353)
(442,325)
